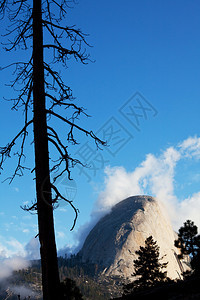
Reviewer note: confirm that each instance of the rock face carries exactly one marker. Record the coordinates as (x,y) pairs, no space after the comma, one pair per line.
(115,238)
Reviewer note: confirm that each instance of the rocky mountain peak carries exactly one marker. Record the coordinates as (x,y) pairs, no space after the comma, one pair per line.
(113,241)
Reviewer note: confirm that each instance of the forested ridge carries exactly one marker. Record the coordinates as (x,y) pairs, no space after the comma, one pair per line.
(86,276)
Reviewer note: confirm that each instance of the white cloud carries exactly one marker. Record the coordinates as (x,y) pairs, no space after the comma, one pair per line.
(25,230)
(190,147)
(60,234)
(189,208)
(62,209)
(10,246)
(3,251)
(16,263)
(15,256)
(154,176)
(23,292)
(8,265)
(16,247)
(25,203)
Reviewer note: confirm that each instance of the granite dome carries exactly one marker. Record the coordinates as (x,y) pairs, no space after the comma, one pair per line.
(115,238)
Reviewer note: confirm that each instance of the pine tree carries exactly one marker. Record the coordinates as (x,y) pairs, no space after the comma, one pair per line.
(189,244)
(70,290)
(186,239)
(148,266)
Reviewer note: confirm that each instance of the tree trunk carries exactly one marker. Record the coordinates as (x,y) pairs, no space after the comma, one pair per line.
(50,274)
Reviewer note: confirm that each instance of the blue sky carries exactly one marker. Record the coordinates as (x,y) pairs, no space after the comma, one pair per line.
(146,50)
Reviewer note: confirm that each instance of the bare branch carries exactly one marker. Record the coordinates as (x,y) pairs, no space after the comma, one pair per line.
(33,207)
(59,196)
(64,53)
(5,151)
(70,31)
(61,102)
(70,136)
(64,156)
(22,30)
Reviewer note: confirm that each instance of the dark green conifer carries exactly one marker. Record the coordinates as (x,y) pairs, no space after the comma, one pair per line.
(70,290)
(189,244)
(148,266)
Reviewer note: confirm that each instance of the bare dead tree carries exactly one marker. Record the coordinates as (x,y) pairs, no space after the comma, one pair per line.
(37,26)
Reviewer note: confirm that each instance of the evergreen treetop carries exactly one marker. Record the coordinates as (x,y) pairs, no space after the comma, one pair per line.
(189,244)
(148,266)
(187,239)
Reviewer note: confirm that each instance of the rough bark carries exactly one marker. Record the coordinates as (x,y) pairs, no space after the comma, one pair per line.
(50,274)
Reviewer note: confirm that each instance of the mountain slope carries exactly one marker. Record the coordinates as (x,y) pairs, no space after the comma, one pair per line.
(115,238)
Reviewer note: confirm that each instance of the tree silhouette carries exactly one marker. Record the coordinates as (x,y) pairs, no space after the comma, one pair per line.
(148,267)
(189,243)
(69,285)
(36,26)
